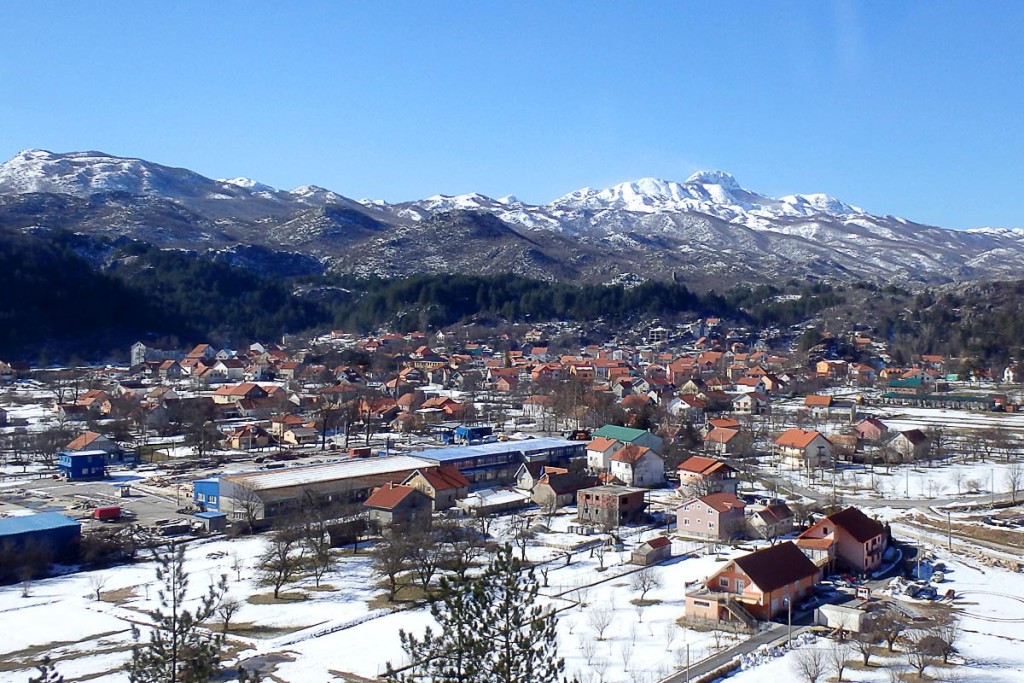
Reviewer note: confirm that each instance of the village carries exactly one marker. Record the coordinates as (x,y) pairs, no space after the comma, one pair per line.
(699,500)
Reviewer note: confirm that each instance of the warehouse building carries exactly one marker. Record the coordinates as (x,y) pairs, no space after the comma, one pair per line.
(263,495)
(53,532)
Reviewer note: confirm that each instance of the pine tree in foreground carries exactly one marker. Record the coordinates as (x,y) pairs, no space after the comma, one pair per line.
(47,673)
(179,650)
(490,631)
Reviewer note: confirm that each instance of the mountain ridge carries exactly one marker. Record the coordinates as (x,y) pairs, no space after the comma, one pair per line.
(706,228)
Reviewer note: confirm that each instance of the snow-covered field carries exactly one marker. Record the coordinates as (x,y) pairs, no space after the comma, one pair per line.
(336,630)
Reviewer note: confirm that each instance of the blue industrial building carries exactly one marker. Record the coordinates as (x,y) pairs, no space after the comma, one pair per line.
(80,465)
(498,462)
(206,493)
(50,530)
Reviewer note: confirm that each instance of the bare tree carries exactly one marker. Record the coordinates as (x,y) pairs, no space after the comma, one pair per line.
(390,557)
(1014,477)
(957,477)
(226,611)
(246,504)
(462,542)
(626,650)
(97,582)
(918,655)
(519,527)
(645,580)
(809,664)
(890,625)
(599,619)
(282,559)
(894,673)
(838,652)
(863,644)
(945,635)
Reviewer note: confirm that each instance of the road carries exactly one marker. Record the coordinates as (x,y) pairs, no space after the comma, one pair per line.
(773,633)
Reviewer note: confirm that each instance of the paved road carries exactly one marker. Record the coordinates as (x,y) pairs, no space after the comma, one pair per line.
(771,634)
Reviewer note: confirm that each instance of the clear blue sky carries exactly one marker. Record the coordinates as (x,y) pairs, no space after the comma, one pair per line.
(906,108)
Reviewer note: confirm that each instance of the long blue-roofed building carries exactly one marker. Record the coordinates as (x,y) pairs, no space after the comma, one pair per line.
(51,531)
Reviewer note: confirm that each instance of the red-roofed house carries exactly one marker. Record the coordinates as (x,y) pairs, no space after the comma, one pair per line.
(847,539)
(706,475)
(395,504)
(755,586)
(803,448)
(637,466)
(444,485)
(652,551)
(717,516)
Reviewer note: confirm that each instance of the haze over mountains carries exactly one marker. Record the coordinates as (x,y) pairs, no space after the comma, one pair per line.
(706,229)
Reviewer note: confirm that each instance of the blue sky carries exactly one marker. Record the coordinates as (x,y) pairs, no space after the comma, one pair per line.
(906,108)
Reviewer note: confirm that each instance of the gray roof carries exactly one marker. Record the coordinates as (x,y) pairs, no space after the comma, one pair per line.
(313,474)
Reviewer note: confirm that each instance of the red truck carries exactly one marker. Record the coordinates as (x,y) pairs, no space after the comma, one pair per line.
(111,513)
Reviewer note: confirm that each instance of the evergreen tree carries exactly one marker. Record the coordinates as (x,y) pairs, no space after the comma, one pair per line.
(179,649)
(47,673)
(491,631)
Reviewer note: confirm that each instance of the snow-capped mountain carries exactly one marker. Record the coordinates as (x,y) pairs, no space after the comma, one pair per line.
(707,227)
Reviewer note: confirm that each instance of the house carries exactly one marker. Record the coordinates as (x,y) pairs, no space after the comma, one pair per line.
(611,505)
(871,429)
(818,407)
(627,435)
(444,484)
(529,473)
(300,436)
(558,489)
(599,453)
(97,401)
(724,441)
(82,465)
(769,521)
(752,403)
(717,516)
(803,448)
(637,466)
(247,437)
(398,505)
(651,551)
(912,444)
(848,539)
(93,441)
(756,586)
(700,475)
(234,393)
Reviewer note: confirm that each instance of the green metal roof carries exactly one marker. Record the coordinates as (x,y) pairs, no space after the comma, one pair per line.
(624,434)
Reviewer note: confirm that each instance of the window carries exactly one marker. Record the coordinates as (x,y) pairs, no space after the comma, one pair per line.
(711,525)
(686,522)
(740,585)
(212,500)
(723,582)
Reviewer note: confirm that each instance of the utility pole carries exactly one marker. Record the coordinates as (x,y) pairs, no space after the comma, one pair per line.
(789,622)
(949,530)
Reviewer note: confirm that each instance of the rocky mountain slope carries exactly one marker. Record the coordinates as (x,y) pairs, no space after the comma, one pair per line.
(708,229)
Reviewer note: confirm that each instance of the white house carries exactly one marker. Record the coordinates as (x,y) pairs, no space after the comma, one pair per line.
(803,448)
(599,453)
(637,466)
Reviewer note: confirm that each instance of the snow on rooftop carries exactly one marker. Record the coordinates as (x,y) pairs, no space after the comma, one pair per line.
(310,474)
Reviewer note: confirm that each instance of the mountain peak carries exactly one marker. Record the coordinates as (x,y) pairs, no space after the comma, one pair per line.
(714,178)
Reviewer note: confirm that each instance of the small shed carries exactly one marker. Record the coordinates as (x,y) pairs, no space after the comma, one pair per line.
(213,521)
(81,465)
(853,618)
(652,551)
